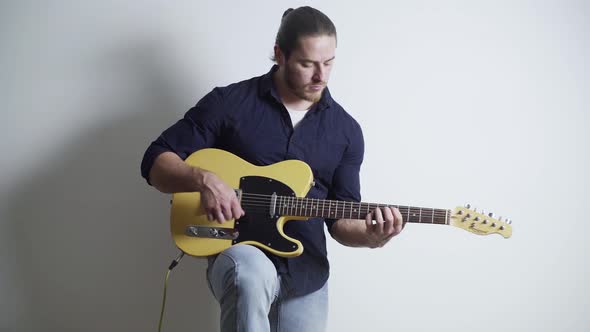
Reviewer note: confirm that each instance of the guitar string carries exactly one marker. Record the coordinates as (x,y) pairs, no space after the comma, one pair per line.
(316,201)
(267,198)
(436,219)
(317,205)
(344,211)
(303,203)
(427,212)
(413,219)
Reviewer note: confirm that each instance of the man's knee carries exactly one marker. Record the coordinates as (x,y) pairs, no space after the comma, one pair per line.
(245,269)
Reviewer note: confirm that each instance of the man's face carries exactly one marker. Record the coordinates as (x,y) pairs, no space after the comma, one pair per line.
(307,70)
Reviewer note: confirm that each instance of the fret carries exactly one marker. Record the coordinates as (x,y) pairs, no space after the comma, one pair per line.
(286,202)
(433,216)
(420,217)
(323,207)
(303,210)
(288,205)
(344,209)
(359,209)
(377,208)
(301,206)
(317,209)
(408,213)
(305,201)
(350,217)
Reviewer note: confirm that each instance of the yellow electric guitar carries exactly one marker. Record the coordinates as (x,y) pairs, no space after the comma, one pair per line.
(272,195)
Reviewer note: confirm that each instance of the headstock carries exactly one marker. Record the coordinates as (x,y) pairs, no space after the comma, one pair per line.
(479,222)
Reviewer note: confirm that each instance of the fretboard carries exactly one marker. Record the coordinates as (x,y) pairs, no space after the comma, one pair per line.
(312,208)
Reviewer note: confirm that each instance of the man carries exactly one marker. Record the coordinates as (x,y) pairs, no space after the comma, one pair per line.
(286,114)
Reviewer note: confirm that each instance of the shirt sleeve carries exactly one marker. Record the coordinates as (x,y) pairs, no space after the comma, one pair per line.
(198,129)
(346,180)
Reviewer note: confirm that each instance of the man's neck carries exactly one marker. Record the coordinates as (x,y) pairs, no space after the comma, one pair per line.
(290,100)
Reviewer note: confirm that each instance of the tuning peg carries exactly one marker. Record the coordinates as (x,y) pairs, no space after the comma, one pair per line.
(491,214)
(467,205)
(509,221)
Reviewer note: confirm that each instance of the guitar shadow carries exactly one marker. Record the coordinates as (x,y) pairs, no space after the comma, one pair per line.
(93,239)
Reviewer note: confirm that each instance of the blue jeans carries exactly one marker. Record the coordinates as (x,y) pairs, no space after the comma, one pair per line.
(249,291)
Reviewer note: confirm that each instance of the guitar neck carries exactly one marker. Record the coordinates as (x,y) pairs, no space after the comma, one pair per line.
(322,208)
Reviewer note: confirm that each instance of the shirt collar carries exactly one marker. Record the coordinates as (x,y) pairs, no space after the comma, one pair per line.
(267,88)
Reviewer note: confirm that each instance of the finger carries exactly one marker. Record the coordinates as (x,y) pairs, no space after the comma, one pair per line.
(398,221)
(226,210)
(219,216)
(389,219)
(236,209)
(379,219)
(369,222)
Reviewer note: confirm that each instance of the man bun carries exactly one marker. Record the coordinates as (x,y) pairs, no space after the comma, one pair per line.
(287,12)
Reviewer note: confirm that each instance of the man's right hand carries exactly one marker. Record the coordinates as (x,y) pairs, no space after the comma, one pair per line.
(218,199)
(170,174)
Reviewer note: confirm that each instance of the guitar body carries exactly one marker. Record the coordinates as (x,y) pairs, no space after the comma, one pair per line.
(258,227)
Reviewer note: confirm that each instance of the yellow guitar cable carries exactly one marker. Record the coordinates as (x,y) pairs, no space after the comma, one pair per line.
(172,265)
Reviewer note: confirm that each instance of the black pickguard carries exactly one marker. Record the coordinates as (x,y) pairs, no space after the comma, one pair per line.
(257,224)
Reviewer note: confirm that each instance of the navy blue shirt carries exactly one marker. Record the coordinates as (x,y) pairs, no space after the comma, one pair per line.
(249,120)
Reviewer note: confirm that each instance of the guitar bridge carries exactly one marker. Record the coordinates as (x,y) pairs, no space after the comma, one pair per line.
(212,232)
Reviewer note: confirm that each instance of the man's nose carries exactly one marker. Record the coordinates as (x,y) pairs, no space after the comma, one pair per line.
(319,74)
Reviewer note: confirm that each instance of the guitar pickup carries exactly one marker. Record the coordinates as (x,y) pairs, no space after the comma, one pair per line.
(212,232)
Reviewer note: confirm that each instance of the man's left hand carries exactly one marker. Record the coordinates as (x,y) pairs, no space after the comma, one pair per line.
(382,225)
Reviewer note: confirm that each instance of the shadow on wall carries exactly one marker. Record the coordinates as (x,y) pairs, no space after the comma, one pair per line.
(93,238)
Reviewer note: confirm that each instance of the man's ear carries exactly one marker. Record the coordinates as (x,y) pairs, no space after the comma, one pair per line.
(279,56)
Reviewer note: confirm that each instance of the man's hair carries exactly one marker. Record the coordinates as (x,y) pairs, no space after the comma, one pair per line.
(302,22)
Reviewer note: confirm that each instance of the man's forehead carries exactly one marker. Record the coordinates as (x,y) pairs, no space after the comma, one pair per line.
(316,48)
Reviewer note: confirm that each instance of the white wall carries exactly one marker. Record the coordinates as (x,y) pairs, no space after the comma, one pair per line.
(461,101)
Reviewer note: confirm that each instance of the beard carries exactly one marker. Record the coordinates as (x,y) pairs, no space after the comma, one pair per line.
(304,91)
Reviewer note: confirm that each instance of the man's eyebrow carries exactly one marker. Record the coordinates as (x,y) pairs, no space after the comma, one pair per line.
(309,60)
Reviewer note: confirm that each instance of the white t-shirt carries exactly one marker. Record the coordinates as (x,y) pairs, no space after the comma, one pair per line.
(296,116)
